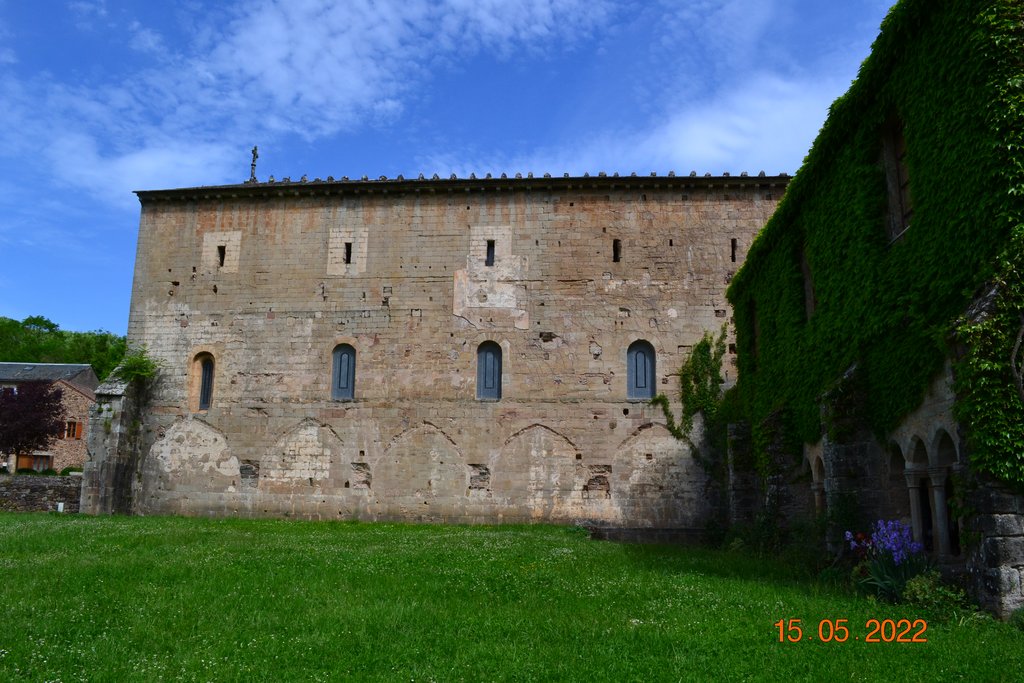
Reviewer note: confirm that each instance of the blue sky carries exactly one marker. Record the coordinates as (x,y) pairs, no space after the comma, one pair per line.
(102,97)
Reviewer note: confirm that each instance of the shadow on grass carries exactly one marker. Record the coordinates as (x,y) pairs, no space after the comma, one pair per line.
(743,565)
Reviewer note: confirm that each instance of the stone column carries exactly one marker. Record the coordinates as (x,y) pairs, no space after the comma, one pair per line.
(913,485)
(939,512)
(110,460)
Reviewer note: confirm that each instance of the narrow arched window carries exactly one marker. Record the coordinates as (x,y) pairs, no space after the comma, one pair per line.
(343,377)
(640,370)
(203,367)
(488,371)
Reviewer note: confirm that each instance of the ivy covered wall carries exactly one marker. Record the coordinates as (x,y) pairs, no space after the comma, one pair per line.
(825,287)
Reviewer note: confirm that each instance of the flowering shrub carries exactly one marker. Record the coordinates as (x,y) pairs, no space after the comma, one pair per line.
(942,603)
(888,558)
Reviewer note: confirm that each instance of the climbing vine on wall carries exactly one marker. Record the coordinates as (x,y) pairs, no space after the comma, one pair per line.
(700,388)
(951,74)
(990,386)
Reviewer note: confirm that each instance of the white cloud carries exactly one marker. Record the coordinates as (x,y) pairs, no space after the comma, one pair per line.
(89,8)
(710,42)
(86,12)
(113,177)
(502,27)
(729,31)
(322,68)
(145,39)
(280,66)
(764,123)
(313,69)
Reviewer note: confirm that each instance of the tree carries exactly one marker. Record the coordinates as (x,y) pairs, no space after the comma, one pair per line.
(39,340)
(31,417)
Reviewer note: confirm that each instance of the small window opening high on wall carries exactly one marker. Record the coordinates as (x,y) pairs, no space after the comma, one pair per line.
(201,393)
(897,178)
(348,252)
(489,260)
(222,251)
(616,250)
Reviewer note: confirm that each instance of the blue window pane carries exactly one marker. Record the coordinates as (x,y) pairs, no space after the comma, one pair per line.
(488,371)
(345,364)
(640,370)
(206,384)
(343,386)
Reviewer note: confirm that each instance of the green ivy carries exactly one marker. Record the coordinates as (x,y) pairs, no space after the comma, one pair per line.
(951,71)
(137,366)
(700,388)
(987,390)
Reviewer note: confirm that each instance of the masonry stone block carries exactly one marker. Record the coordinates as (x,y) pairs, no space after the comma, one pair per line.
(1004,551)
(999,525)
(1002,581)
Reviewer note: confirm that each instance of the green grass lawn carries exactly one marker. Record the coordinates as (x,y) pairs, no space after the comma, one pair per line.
(116,599)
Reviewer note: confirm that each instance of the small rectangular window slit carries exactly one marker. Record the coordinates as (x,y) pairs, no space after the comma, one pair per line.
(732,247)
(489,261)
(348,252)
(222,251)
(616,250)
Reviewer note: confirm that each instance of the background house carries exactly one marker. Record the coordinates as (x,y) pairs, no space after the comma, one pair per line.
(878,311)
(78,383)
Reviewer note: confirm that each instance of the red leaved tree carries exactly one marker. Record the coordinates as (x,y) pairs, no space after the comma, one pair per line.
(31,418)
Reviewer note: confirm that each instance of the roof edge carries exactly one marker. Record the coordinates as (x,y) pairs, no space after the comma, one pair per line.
(384,185)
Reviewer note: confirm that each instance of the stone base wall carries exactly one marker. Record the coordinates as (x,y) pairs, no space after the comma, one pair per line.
(743,490)
(997,561)
(607,464)
(783,494)
(464,462)
(852,475)
(27,493)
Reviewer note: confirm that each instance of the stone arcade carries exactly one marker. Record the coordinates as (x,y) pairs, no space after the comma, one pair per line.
(458,350)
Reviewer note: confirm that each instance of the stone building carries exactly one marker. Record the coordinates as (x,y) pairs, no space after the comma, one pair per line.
(78,383)
(462,349)
(877,311)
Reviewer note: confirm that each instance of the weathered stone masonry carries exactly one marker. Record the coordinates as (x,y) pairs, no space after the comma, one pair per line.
(23,493)
(263,281)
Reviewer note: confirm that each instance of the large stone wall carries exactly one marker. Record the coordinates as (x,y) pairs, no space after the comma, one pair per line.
(269,278)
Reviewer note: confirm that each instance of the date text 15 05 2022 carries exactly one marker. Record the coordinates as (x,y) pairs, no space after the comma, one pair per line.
(838,631)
